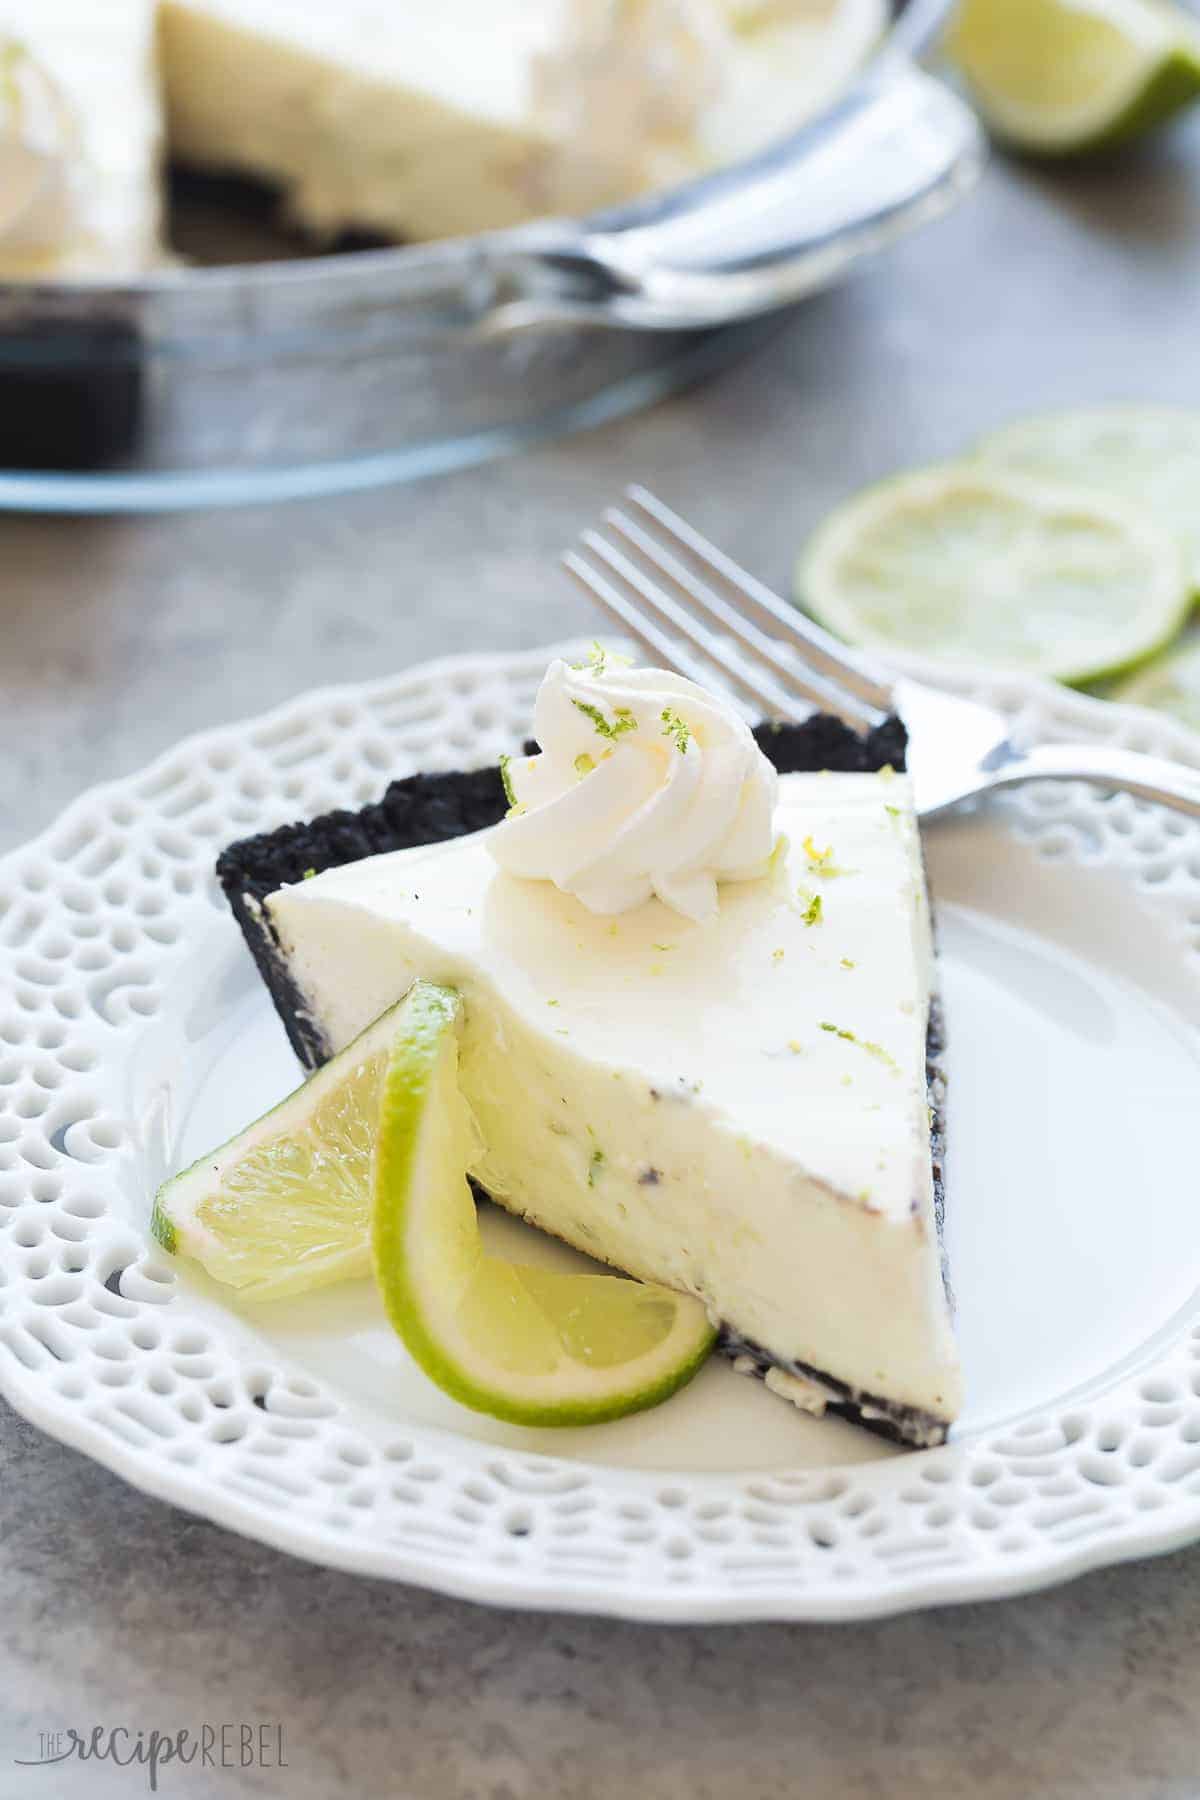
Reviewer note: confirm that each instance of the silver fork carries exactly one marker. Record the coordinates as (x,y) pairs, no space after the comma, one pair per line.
(693,610)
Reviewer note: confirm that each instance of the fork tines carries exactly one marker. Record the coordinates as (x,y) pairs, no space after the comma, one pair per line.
(693,610)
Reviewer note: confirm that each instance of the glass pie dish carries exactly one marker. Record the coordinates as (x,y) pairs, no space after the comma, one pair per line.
(258,380)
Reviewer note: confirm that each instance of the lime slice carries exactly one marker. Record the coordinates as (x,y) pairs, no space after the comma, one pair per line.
(285,1206)
(1060,77)
(1148,455)
(1171,684)
(531,1345)
(975,565)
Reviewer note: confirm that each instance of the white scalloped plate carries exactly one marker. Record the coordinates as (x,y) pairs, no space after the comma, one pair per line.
(133,1034)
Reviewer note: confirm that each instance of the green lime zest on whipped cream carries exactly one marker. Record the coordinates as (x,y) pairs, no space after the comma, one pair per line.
(598,658)
(510,792)
(584,764)
(676,729)
(595,659)
(621,722)
(515,809)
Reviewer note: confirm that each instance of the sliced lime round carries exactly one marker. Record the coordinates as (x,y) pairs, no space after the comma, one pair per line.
(1061,77)
(1169,684)
(971,564)
(285,1206)
(1146,455)
(531,1345)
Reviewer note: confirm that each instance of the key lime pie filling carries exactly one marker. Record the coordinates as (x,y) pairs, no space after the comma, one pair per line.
(699,1017)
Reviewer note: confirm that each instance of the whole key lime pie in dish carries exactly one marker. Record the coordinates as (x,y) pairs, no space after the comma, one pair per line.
(700,1029)
(409,119)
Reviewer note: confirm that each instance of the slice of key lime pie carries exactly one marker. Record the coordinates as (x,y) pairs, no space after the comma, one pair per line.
(700,1023)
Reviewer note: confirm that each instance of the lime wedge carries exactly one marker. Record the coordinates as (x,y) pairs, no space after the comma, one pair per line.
(1061,77)
(285,1206)
(531,1345)
(1147,455)
(1171,684)
(975,565)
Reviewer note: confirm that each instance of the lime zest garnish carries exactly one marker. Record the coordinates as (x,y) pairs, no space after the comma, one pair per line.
(584,764)
(676,729)
(613,728)
(595,1165)
(598,658)
(814,908)
(510,792)
(309,875)
(819,861)
(850,1037)
(595,659)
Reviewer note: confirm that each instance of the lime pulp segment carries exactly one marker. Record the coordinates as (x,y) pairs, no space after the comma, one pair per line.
(285,1206)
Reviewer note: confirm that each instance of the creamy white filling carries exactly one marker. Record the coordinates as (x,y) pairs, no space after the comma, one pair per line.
(626,78)
(39,148)
(79,138)
(735,1106)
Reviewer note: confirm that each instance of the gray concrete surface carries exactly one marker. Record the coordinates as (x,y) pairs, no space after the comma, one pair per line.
(116,636)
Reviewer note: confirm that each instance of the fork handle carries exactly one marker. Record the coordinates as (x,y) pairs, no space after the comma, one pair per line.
(1147,777)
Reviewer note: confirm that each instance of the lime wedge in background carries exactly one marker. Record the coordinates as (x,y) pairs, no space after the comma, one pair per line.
(1147,455)
(1059,77)
(1171,684)
(534,1346)
(975,565)
(285,1206)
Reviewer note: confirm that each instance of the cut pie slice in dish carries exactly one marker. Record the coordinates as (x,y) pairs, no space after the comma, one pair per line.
(744,1105)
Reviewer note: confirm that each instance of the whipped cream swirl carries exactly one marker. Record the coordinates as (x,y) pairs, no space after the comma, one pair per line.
(39,147)
(646,784)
